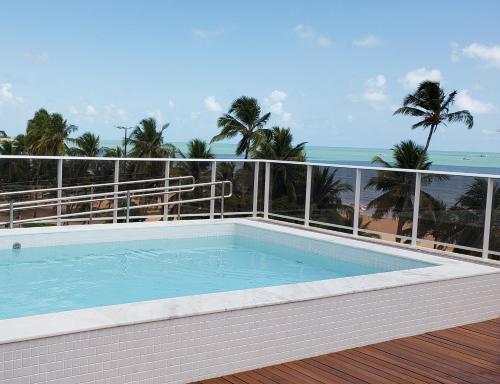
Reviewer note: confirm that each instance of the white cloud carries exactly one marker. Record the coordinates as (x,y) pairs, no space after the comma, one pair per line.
(116,113)
(488,54)
(39,57)
(7,97)
(306,32)
(211,104)
(275,104)
(171,104)
(413,78)
(206,34)
(367,41)
(73,110)
(375,93)
(90,110)
(489,131)
(350,118)
(465,101)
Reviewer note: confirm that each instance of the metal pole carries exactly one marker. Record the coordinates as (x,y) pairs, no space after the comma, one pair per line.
(266,190)
(115,189)
(307,208)
(222,201)
(128,207)
(11,214)
(487,218)
(357,197)
(59,191)
(416,209)
(179,203)
(255,200)
(91,203)
(165,196)
(212,189)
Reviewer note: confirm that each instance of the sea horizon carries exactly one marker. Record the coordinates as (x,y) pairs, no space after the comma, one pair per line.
(455,161)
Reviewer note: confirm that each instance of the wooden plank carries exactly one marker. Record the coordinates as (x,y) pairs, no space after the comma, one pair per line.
(469,354)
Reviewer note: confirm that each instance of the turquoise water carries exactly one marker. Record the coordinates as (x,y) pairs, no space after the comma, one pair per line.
(52,279)
(456,161)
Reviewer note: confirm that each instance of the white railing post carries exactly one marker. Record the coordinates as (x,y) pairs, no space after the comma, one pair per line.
(166,185)
(487,218)
(357,197)
(59,191)
(255,200)
(212,189)
(416,209)
(267,176)
(307,207)
(116,179)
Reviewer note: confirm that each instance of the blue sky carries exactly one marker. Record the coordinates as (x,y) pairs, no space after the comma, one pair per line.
(332,71)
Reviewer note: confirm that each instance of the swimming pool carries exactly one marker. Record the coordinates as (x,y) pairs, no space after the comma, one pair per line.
(183,301)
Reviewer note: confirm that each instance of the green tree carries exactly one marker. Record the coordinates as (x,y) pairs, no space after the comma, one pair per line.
(13,170)
(431,105)
(47,134)
(244,119)
(148,141)
(398,187)
(113,152)
(196,149)
(469,216)
(86,145)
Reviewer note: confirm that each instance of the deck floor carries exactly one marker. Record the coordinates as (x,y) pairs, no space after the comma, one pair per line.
(467,355)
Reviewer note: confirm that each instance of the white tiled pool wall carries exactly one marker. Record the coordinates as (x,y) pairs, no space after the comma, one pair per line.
(192,348)
(367,257)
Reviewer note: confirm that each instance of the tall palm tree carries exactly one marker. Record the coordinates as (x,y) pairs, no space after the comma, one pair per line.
(398,188)
(243,118)
(286,179)
(87,145)
(196,149)
(12,171)
(326,195)
(147,140)
(469,217)
(432,105)
(47,134)
(113,152)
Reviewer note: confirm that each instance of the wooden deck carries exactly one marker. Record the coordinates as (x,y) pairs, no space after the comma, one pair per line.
(467,355)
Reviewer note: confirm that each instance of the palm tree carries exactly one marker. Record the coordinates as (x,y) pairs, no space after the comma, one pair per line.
(286,179)
(432,105)
(326,195)
(398,188)
(197,149)
(87,145)
(47,134)
(469,216)
(12,171)
(113,152)
(243,118)
(147,140)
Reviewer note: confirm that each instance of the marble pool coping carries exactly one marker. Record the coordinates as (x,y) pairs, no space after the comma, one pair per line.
(60,323)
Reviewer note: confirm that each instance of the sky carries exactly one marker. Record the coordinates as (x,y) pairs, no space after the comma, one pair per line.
(332,71)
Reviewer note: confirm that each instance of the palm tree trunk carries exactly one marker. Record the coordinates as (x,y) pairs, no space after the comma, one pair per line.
(422,155)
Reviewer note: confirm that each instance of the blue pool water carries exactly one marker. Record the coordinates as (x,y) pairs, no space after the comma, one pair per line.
(52,279)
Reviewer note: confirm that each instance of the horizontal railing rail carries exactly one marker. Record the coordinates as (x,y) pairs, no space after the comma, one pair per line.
(262,197)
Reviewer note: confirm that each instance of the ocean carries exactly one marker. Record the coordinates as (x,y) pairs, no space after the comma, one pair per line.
(456,161)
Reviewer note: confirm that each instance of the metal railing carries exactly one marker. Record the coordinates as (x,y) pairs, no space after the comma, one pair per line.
(115,196)
(262,199)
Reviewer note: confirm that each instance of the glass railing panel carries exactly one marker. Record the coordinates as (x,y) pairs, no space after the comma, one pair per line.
(28,174)
(201,171)
(452,211)
(242,175)
(386,204)
(332,197)
(287,190)
(495,222)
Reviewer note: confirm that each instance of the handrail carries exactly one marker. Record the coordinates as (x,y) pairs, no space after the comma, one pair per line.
(241,160)
(119,183)
(129,194)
